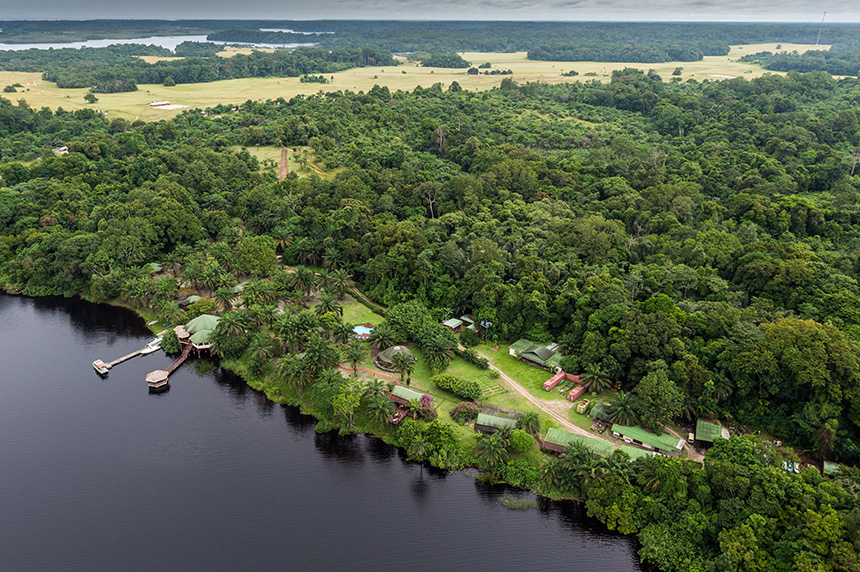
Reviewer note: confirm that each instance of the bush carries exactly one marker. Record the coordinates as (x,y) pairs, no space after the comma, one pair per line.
(200,307)
(169,81)
(170,343)
(521,441)
(473,358)
(462,388)
(469,338)
(464,412)
(9,89)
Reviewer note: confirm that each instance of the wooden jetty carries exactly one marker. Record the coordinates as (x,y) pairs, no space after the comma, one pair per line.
(124,358)
(157,380)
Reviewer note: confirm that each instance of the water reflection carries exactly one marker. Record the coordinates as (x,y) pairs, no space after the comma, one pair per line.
(345,449)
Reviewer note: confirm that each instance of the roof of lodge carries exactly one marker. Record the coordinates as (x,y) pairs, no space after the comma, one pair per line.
(452,323)
(635,452)
(406,393)
(494,421)
(563,438)
(202,322)
(663,441)
(707,431)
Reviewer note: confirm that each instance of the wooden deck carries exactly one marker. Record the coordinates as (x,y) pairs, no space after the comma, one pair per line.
(180,360)
(124,358)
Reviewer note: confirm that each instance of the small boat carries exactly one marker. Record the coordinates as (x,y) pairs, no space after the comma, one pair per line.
(153,345)
(101,367)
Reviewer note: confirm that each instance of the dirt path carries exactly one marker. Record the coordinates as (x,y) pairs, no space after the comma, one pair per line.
(358,293)
(285,166)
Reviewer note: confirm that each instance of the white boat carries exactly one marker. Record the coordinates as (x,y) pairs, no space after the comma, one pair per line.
(153,345)
(101,367)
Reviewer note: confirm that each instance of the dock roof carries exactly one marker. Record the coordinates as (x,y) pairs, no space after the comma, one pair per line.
(707,431)
(564,438)
(494,421)
(663,441)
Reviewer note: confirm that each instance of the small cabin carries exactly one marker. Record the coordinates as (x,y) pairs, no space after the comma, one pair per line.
(487,423)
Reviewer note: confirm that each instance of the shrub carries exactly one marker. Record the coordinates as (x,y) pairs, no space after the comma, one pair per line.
(200,307)
(521,441)
(169,81)
(464,412)
(462,388)
(170,343)
(469,338)
(473,358)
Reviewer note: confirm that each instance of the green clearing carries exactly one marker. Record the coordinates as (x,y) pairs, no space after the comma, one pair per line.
(530,377)
(135,105)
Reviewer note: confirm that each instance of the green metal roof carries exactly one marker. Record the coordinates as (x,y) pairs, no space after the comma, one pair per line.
(831,468)
(707,431)
(202,322)
(563,438)
(406,393)
(494,421)
(201,337)
(521,345)
(664,441)
(636,453)
(452,323)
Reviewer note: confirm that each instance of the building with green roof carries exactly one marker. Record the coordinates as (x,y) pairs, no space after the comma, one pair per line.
(202,322)
(558,440)
(707,431)
(541,356)
(404,396)
(831,469)
(598,412)
(453,324)
(489,423)
(638,436)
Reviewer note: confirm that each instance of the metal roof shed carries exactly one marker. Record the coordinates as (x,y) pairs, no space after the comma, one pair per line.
(707,431)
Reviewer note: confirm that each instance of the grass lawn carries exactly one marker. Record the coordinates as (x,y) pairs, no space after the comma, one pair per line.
(135,105)
(357,313)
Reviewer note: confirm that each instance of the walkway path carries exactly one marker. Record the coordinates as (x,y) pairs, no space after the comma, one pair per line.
(285,165)
(374,372)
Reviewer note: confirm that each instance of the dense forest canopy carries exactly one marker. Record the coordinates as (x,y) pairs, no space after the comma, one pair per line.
(698,243)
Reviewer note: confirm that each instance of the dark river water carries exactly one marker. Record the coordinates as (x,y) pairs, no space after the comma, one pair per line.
(97,474)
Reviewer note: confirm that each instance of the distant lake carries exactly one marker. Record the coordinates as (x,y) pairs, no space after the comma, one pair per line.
(99,475)
(169,42)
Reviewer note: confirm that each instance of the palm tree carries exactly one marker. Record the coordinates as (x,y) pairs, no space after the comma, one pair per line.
(529,422)
(342,333)
(320,355)
(331,259)
(323,279)
(171,313)
(375,388)
(233,323)
(622,408)
(594,380)
(490,451)
(504,433)
(291,372)
(382,337)
(224,296)
(417,449)
(355,352)
(327,304)
(304,280)
(723,387)
(261,350)
(251,293)
(341,280)
(380,409)
(403,362)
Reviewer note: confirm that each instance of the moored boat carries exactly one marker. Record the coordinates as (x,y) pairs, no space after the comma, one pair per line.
(101,367)
(153,345)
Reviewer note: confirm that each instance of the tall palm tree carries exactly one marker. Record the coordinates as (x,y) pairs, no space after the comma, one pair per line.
(529,422)
(341,280)
(375,388)
(261,350)
(490,451)
(320,355)
(342,333)
(327,303)
(233,323)
(404,363)
(382,336)
(417,449)
(380,409)
(594,379)
(304,280)
(622,408)
(355,352)
(291,372)
(224,296)
(723,387)
(331,259)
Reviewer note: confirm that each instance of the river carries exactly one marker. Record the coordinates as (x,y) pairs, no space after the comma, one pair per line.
(169,42)
(98,474)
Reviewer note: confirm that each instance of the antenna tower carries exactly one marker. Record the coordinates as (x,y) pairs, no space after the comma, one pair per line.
(818,39)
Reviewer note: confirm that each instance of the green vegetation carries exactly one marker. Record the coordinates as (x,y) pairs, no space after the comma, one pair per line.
(691,244)
(832,61)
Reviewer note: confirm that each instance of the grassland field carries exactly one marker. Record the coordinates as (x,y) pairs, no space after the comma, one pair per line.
(135,105)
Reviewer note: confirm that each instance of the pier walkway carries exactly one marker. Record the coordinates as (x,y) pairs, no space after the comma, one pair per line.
(124,358)
(179,361)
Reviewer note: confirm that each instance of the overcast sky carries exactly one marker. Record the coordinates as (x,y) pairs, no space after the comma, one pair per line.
(720,10)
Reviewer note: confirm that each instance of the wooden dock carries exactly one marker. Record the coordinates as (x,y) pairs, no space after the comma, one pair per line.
(157,380)
(124,358)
